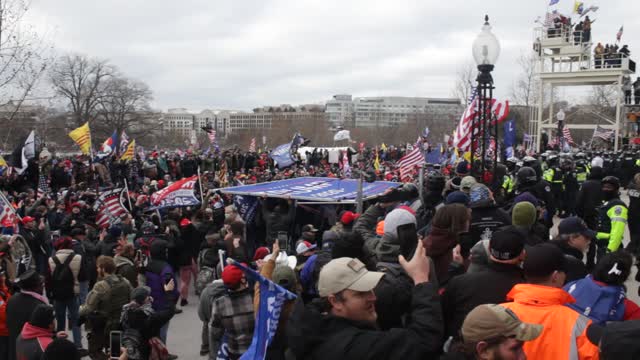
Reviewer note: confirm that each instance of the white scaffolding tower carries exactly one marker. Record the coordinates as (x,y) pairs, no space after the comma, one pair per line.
(565,60)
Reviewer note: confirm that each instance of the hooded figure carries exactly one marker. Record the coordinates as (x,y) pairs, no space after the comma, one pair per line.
(157,273)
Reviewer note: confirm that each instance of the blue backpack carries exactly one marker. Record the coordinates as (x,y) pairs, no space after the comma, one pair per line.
(599,303)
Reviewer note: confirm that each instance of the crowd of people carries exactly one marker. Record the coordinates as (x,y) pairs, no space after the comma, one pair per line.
(460,269)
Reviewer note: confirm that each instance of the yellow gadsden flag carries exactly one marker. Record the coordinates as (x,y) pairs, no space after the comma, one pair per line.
(82,137)
(129,154)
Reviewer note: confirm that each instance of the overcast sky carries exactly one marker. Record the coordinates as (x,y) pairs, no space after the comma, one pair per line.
(242,54)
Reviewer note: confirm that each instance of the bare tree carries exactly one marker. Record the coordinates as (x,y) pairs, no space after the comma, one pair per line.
(465,80)
(79,80)
(524,90)
(24,55)
(124,105)
(603,99)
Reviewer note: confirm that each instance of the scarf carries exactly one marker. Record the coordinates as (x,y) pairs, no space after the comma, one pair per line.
(36,295)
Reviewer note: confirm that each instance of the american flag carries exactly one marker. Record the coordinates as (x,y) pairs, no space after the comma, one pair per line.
(212,135)
(252,145)
(408,162)
(346,168)
(619,34)
(462,137)
(549,17)
(7,212)
(567,135)
(109,207)
(602,133)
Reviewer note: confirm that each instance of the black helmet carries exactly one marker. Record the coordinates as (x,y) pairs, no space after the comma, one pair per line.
(435,181)
(526,176)
(611,180)
(410,190)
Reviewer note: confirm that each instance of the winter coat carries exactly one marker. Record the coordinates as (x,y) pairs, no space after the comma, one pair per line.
(463,293)
(486,218)
(19,309)
(141,323)
(439,245)
(157,272)
(107,247)
(576,269)
(589,199)
(107,298)
(126,268)
(276,222)
(564,335)
(232,314)
(313,334)
(75,266)
(192,238)
(5,295)
(32,342)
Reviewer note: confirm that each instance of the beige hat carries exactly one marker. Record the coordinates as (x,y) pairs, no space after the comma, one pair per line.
(346,273)
(490,321)
(467,182)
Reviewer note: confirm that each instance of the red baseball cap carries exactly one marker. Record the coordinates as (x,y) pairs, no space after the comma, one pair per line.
(27,219)
(232,275)
(185,222)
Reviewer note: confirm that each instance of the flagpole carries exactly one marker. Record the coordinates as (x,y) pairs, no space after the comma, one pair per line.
(200,186)
(126,186)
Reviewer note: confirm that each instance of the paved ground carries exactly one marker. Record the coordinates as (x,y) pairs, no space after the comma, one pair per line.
(184,331)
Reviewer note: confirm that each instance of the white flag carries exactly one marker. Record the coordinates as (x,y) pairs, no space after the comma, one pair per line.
(342,135)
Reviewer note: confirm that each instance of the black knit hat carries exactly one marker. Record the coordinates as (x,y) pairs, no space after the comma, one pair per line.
(42,316)
(61,349)
(543,259)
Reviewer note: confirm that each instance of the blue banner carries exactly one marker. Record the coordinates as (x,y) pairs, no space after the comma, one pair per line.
(282,155)
(272,297)
(313,189)
(433,157)
(247,206)
(223,351)
(509,133)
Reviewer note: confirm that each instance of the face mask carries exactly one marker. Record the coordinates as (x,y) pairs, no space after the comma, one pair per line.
(609,194)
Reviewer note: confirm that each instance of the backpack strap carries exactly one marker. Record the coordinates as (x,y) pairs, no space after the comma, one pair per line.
(67,261)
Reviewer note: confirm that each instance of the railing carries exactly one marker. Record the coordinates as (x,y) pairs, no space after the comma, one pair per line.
(565,34)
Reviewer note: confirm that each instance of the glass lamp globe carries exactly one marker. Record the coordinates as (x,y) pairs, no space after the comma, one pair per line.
(486,47)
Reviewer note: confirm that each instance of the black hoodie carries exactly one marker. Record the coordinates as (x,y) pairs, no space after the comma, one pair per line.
(314,335)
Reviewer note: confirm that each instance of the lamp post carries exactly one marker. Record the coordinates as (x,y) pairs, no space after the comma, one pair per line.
(486,50)
(560,135)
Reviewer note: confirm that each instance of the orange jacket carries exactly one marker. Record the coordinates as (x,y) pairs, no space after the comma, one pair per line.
(4,297)
(565,331)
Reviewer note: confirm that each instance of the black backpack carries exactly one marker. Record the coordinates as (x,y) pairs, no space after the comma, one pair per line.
(62,279)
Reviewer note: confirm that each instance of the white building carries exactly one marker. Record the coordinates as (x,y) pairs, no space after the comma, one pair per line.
(183,121)
(385,111)
(339,110)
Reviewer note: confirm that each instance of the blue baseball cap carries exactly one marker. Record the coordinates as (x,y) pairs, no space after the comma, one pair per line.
(575,225)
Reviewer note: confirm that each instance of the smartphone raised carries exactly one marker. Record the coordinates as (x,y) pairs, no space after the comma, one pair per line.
(283,238)
(408,239)
(115,343)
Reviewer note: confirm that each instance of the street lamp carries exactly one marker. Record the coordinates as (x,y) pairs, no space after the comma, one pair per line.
(560,116)
(486,50)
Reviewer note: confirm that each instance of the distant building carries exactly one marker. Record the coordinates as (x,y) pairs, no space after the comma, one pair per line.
(282,116)
(182,121)
(385,111)
(339,110)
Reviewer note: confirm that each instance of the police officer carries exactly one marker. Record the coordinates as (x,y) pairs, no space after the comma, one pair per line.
(634,213)
(553,175)
(582,168)
(612,217)
(542,190)
(570,188)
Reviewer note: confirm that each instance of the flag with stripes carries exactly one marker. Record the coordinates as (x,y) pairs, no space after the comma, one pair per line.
(82,137)
(408,162)
(7,212)
(619,34)
(124,142)
(550,17)
(211,133)
(603,133)
(463,134)
(566,134)
(252,145)
(43,185)
(109,207)
(129,153)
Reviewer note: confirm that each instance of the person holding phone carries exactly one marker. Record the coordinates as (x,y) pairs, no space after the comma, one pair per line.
(106,299)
